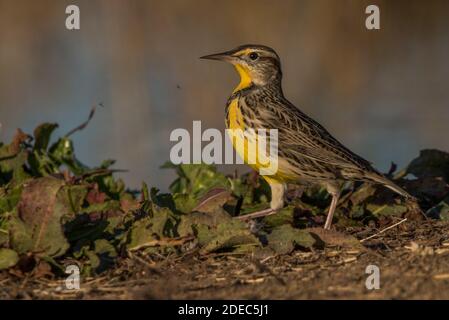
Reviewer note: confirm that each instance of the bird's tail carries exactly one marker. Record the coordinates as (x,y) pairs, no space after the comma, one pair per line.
(378,178)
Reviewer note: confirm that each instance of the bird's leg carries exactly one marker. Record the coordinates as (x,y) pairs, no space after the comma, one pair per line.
(277,202)
(277,195)
(333,206)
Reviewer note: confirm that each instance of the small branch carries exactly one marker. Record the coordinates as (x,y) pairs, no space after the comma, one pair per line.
(163,242)
(101,172)
(257,214)
(85,123)
(145,263)
(382,231)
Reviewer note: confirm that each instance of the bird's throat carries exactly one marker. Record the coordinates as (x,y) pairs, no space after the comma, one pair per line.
(245,78)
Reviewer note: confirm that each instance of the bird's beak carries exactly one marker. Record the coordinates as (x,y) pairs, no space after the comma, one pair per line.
(224,56)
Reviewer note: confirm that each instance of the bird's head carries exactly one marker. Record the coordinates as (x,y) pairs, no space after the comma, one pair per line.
(256,64)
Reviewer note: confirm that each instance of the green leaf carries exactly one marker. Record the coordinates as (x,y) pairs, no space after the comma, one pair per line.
(106,253)
(214,228)
(9,197)
(184,202)
(213,200)
(386,209)
(63,153)
(440,211)
(145,192)
(94,259)
(141,232)
(197,179)
(335,238)
(41,164)
(4,234)
(149,228)
(102,246)
(8,258)
(13,158)
(42,135)
(229,235)
(69,201)
(41,216)
(76,195)
(21,240)
(187,224)
(285,238)
(111,205)
(362,194)
(283,216)
(106,164)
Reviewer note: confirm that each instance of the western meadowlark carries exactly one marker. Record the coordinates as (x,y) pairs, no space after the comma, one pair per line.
(307,152)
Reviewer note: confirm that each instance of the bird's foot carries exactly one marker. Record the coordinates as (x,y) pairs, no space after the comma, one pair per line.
(257,214)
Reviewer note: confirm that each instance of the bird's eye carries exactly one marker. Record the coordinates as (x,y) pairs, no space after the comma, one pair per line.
(253,56)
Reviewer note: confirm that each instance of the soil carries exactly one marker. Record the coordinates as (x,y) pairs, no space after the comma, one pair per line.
(413,260)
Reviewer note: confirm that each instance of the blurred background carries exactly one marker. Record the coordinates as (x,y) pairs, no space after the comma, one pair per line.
(384,94)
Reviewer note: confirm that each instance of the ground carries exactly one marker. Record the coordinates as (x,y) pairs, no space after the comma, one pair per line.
(413,259)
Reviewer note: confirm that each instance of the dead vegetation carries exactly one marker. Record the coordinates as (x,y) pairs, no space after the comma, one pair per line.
(55,211)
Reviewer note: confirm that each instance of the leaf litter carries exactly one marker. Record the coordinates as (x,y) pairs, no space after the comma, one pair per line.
(54,208)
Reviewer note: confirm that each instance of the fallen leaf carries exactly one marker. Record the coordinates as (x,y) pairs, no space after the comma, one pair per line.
(8,258)
(148,228)
(386,209)
(212,200)
(283,239)
(41,221)
(42,269)
(187,222)
(335,238)
(440,211)
(283,216)
(362,194)
(228,235)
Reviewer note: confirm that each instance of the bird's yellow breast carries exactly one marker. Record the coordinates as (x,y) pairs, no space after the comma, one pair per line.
(246,145)
(244,140)
(235,118)
(239,140)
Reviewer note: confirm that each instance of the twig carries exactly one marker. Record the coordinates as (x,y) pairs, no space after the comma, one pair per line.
(145,263)
(257,214)
(383,230)
(85,123)
(163,242)
(101,172)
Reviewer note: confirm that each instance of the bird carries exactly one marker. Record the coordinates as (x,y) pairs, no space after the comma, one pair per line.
(307,152)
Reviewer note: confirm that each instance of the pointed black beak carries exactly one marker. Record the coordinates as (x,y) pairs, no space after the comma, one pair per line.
(224,56)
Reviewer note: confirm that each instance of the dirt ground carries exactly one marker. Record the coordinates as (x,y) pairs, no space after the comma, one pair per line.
(413,259)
